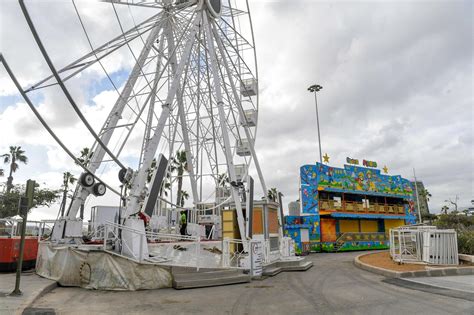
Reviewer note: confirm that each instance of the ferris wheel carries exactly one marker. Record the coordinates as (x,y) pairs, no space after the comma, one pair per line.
(193,88)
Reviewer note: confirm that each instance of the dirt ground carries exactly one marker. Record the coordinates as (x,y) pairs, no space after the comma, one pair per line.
(383,260)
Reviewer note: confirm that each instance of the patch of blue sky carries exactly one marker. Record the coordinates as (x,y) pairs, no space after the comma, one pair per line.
(130,161)
(10,100)
(96,87)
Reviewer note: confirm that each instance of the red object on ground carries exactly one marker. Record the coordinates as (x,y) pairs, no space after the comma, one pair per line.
(10,252)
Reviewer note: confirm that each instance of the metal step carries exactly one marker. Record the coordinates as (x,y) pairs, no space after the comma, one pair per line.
(189,280)
(291,265)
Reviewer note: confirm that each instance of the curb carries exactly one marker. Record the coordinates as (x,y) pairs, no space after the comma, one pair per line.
(431,272)
(43,291)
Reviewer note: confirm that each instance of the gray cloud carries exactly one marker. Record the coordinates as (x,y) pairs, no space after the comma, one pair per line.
(397,80)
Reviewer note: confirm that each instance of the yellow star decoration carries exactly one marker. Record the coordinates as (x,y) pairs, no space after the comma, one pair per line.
(385,169)
(326,158)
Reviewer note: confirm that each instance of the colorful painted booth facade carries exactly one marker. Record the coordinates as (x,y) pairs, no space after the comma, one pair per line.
(350,208)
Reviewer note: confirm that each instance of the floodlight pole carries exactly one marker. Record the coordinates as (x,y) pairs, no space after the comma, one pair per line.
(316,88)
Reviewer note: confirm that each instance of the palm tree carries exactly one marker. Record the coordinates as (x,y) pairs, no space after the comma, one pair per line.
(68,178)
(272,194)
(85,156)
(445,209)
(426,195)
(184,196)
(180,165)
(15,156)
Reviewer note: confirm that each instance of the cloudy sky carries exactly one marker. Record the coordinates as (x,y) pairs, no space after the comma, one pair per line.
(397,81)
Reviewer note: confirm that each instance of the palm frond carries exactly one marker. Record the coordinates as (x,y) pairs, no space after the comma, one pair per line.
(6,158)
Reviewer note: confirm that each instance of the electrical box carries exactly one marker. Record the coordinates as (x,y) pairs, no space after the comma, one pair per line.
(249,87)
(243,148)
(249,118)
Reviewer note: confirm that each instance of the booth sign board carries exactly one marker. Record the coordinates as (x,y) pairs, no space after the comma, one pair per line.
(256,255)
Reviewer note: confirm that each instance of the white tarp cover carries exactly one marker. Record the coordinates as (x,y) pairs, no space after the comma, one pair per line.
(99,270)
(184,254)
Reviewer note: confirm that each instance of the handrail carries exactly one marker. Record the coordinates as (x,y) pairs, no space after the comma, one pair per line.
(144,236)
(361,236)
(231,257)
(360,207)
(11,224)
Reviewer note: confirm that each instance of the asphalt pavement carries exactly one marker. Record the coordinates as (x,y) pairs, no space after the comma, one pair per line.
(333,286)
(31,286)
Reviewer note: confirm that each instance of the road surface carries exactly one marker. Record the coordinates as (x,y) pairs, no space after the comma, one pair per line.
(333,286)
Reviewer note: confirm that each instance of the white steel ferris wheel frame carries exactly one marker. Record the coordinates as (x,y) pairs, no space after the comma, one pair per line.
(195,40)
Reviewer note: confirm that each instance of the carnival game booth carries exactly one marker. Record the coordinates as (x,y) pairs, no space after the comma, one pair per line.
(350,208)
(262,225)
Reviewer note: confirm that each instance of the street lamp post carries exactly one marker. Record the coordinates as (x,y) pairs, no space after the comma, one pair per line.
(316,88)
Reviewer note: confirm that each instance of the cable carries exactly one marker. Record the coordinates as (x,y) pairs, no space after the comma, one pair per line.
(61,83)
(45,125)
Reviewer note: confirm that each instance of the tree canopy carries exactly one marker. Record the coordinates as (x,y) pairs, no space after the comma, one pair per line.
(43,197)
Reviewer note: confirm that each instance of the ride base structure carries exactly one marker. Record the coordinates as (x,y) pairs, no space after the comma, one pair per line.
(151,259)
(185,118)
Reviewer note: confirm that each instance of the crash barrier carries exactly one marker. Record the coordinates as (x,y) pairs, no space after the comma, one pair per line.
(424,244)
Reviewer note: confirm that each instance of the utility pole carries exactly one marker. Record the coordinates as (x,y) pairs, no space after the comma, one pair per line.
(417,197)
(316,88)
(25,204)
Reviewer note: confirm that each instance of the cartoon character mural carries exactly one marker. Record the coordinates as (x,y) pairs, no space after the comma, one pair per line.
(353,177)
(309,189)
(410,211)
(370,181)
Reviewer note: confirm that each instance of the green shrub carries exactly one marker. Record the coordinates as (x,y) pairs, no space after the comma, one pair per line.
(464,226)
(466,242)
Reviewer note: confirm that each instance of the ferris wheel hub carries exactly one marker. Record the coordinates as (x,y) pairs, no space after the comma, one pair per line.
(214,7)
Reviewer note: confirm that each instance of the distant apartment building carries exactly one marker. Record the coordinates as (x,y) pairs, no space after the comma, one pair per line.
(420,188)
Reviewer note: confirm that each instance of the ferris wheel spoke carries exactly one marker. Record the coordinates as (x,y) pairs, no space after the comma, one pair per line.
(228,10)
(89,59)
(151,3)
(138,183)
(185,135)
(235,50)
(144,4)
(225,136)
(239,106)
(112,120)
(237,34)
